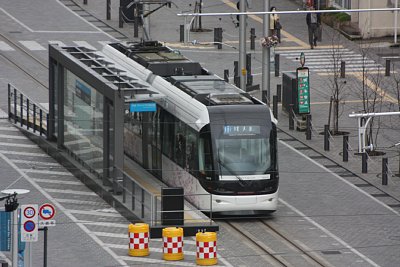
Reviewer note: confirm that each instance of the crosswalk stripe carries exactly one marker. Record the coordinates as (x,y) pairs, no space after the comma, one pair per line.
(85,44)
(34,162)
(319,54)
(28,154)
(156,261)
(13,137)
(47,172)
(13,129)
(32,45)
(330,57)
(107,224)
(311,51)
(81,202)
(17,145)
(96,213)
(49,181)
(5,47)
(159,250)
(72,192)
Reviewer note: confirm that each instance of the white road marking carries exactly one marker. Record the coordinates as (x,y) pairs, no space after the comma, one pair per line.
(5,47)
(33,45)
(46,172)
(73,192)
(116,225)
(49,181)
(77,201)
(18,145)
(13,129)
(65,211)
(35,162)
(96,213)
(21,137)
(159,250)
(159,262)
(28,154)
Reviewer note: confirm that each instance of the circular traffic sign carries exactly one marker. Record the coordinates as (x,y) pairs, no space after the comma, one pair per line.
(47,211)
(29,226)
(29,212)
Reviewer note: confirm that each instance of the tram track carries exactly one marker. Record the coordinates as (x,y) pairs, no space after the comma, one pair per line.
(290,254)
(20,66)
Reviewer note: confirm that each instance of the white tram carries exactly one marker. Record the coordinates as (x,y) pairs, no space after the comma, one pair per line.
(206,136)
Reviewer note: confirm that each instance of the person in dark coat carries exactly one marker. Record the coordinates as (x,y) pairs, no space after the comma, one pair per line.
(313,22)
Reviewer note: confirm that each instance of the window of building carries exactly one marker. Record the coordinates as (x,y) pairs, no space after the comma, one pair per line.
(346,4)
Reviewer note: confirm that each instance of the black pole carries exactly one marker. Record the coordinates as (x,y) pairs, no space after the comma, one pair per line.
(276,64)
(342,69)
(326,137)
(108,11)
(219,45)
(275,106)
(120,21)
(387,69)
(181,33)
(364,162)
(85,2)
(226,76)
(279,92)
(308,129)
(291,119)
(345,148)
(9,101)
(44,229)
(252,39)
(384,171)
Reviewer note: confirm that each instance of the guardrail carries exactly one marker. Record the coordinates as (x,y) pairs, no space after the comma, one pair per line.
(26,112)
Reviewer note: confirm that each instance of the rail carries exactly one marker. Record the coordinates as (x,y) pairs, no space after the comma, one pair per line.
(26,112)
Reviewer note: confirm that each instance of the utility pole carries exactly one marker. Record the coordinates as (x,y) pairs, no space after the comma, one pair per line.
(266,53)
(242,45)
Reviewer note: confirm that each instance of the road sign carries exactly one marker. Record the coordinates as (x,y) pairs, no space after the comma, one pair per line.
(29,223)
(43,223)
(47,211)
(303,90)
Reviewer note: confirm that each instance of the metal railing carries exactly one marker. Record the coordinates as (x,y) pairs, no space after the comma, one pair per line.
(26,112)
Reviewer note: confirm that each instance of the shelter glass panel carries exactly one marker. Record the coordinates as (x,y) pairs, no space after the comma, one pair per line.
(83,121)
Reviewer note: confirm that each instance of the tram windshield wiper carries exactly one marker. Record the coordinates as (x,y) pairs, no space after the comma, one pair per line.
(241,181)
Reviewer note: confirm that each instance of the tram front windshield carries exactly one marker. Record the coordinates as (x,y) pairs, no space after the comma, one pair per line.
(243,150)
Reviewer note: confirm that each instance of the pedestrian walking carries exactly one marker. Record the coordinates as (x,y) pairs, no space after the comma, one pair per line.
(313,23)
(274,24)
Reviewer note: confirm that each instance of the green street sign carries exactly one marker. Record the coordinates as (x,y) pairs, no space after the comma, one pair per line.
(303,90)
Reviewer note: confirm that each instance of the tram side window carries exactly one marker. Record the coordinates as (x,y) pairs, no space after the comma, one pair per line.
(168,126)
(191,150)
(180,144)
(134,122)
(205,156)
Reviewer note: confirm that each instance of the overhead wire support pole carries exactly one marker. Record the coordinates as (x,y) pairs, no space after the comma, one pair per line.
(242,46)
(266,59)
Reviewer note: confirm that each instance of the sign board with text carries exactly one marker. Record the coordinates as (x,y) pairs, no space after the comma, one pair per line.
(29,223)
(5,231)
(46,214)
(303,90)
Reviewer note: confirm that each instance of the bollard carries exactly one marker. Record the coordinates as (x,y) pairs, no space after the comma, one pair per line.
(138,239)
(120,21)
(226,76)
(326,137)
(342,69)
(364,162)
(249,77)
(291,119)
(181,33)
(275,106)
(276,58)
(85,2)
(220,39)
(387,68)
(173,243)
(384,171)
(206,248)
(345,148)
(108,11)
(279,92)
(308,129)
(252,39)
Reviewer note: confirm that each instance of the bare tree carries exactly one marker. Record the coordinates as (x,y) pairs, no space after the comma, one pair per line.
(336,84)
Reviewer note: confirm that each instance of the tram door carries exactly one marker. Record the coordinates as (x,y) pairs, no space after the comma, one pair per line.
(152,142)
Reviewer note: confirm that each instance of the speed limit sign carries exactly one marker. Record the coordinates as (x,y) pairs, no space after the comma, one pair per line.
(29,223)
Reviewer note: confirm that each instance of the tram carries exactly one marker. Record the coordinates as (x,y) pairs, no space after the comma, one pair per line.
(206,135)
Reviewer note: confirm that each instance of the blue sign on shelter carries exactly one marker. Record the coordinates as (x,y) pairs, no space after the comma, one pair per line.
(143,107)
(5,231)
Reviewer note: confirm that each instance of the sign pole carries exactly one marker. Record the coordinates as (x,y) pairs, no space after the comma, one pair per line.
(45,247)
(15,238)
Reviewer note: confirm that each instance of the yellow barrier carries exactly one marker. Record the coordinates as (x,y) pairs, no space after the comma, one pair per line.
(173,243)
(138,239)
(206,248)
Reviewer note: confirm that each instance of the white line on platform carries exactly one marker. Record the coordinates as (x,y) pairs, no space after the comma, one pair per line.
(50,181)
(65,211)
(72,192)
(159,250)
(155,261)
(33,45)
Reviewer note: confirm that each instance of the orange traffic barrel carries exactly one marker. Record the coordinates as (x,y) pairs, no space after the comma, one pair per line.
(173,243)
(206,248)
(138,239)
